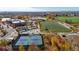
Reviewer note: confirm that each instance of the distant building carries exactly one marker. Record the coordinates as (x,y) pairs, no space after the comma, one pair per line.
(38,18)
(6,19)
(17,22)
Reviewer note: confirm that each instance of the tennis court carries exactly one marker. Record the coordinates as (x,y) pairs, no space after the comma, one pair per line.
(29,40)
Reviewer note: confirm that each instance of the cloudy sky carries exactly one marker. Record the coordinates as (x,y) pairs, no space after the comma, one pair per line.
(38,9)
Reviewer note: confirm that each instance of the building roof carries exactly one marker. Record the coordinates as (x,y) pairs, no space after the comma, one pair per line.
(5,19)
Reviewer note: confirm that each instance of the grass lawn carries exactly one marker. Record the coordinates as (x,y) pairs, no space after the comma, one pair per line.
(47,26)
(68,19)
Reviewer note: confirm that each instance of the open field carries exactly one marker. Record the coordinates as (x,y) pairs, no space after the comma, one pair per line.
(68,19)
(53,27)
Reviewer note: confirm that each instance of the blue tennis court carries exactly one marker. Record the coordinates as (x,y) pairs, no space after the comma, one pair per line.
(28,40)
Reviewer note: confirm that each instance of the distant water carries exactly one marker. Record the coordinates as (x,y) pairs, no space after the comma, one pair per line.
(58,8)
(38,9)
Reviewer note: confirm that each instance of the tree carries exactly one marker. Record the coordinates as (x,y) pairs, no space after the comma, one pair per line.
(3,42)
(33,47)
(19,17)
(66,46)
(21,48)
(50,17)
(23,17)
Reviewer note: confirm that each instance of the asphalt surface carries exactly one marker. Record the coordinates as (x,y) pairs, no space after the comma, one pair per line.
(10,31)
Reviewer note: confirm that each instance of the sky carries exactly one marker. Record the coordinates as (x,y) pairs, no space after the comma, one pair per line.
(38,9)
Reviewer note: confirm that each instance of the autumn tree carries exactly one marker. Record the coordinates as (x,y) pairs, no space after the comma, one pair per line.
(3,42)
(21,48)
(33,47)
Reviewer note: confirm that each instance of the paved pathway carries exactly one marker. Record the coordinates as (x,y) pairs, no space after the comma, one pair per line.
(10,31)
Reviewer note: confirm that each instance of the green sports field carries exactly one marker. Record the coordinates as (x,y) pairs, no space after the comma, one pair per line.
(68,19)
(53,27)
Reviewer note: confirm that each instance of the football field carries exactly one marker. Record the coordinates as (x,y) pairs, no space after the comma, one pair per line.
(53,27)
